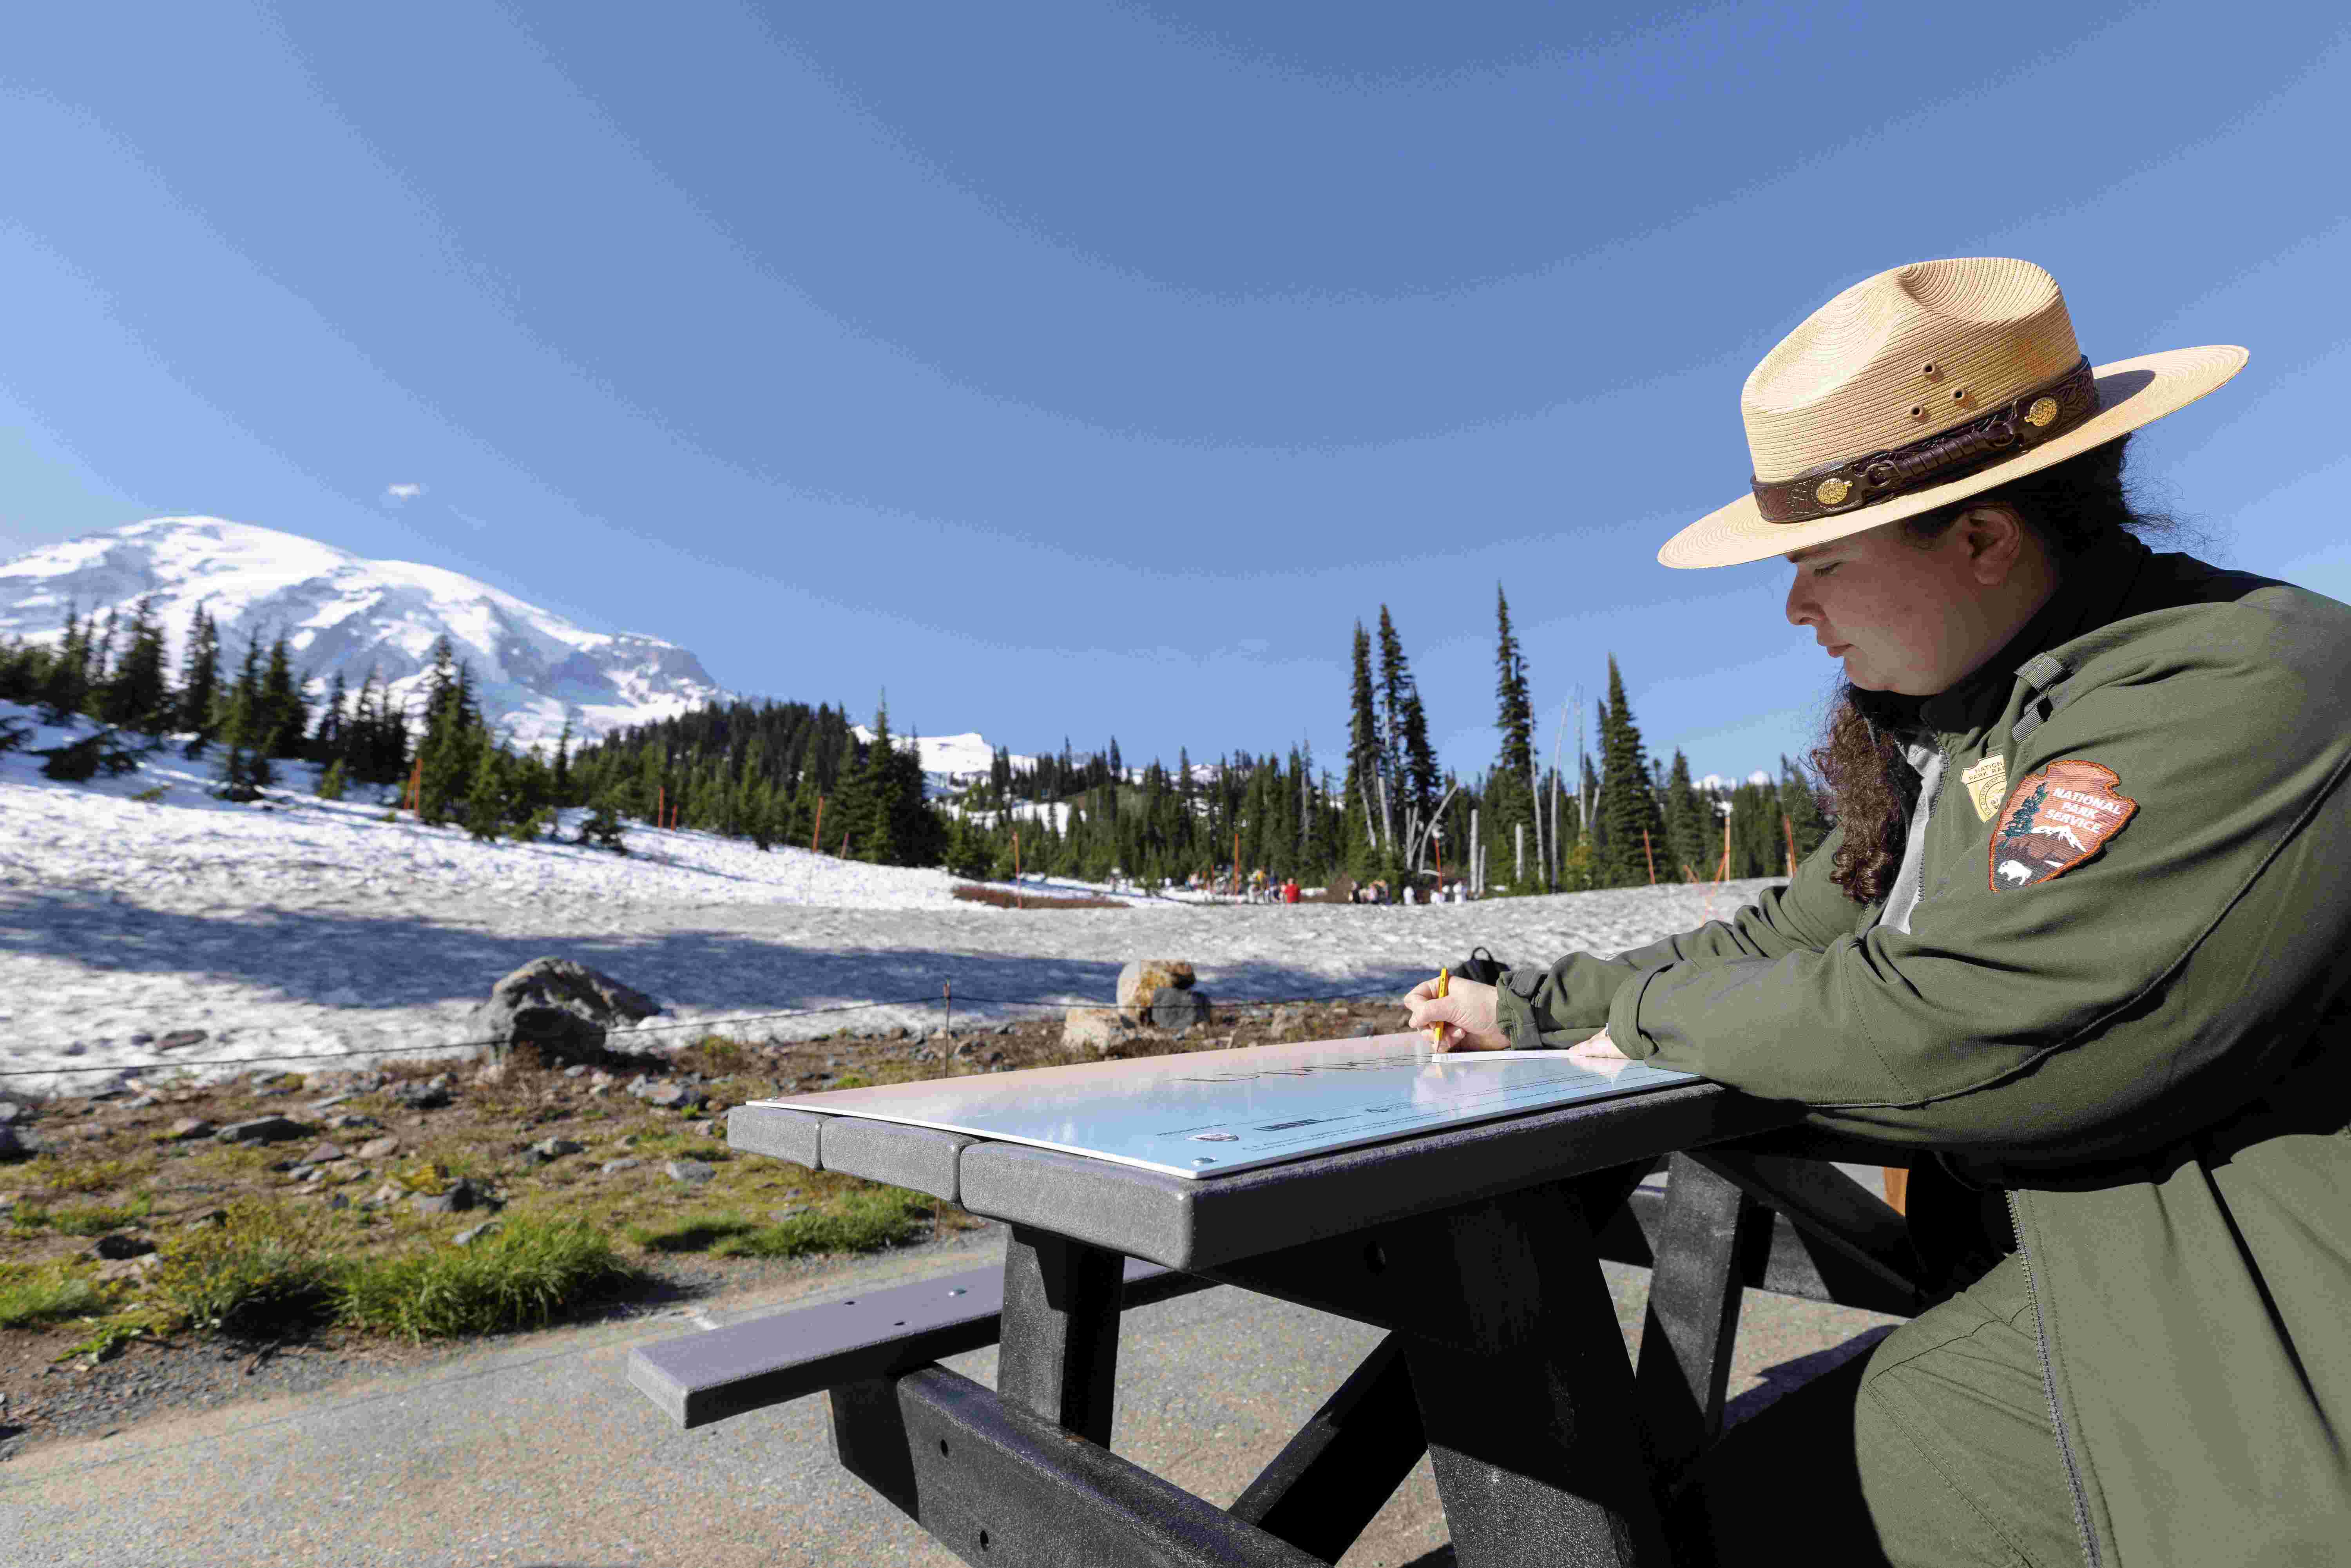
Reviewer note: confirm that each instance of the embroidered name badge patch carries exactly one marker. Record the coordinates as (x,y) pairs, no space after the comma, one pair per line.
(1986,782)
(2056,819)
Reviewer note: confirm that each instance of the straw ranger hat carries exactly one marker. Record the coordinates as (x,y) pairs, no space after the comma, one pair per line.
(1920,387)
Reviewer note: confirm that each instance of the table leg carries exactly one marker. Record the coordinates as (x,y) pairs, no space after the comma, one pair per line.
(1525,1390)
(1695,1285)
(1323,1488)
(1060,1331)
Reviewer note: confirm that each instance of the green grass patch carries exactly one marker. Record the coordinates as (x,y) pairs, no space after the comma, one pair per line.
(521,1276)
(36,1293)
(82,1218)
(260,1271)
(861,1220)
(53,1174)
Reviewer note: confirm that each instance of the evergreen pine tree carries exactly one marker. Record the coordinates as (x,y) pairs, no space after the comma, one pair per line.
(327,741)
(1516,714)
(67,687)
(1688,817)
(98,667)
(1806,820)
(562,781)
(200,674)
(245,762)
(1626,806)
(485,796)
(1363,750)
(136,697)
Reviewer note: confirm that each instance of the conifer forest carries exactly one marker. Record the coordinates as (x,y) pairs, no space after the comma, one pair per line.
(1585,806)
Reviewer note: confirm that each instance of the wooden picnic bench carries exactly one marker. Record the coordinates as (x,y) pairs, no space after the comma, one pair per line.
(1477,1246)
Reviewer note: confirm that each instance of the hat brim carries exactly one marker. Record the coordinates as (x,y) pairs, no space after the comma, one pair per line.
(2131,393)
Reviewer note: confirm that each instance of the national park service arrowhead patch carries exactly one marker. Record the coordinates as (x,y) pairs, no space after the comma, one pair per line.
(2055,821)
(1986,782)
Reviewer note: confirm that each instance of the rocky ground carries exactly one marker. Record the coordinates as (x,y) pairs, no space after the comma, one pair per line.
(385,1161)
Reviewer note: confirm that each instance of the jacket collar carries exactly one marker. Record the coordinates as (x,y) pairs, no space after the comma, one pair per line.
(2091,591)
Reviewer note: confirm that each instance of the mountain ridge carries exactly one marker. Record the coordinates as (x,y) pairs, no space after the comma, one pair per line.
(345,614)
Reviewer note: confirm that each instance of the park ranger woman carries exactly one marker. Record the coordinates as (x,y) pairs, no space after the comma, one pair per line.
(2081,937)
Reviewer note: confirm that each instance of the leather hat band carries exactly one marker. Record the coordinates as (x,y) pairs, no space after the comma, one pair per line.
(2018,426)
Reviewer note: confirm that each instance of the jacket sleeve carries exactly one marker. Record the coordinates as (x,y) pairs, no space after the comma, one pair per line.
(2139,994)
(1568,1002)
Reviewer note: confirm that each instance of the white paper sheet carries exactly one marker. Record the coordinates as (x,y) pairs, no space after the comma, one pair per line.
(1210,1112)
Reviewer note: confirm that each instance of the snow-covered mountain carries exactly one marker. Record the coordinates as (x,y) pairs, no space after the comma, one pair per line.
(342,612)
(950,758)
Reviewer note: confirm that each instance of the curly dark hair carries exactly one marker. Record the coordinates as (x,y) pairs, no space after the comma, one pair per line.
(2071,507)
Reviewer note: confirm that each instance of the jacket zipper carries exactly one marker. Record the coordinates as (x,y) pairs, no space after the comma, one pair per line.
(2048,1387)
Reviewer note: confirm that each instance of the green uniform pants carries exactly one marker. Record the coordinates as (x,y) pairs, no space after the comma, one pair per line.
(1935,1449)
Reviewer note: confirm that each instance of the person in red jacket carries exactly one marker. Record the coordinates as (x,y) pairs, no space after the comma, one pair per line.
(1289,890)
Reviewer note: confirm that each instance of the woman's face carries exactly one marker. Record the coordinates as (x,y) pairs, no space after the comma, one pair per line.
(1916,621)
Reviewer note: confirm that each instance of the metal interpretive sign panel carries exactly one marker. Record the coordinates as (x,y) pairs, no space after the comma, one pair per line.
(1207,1113)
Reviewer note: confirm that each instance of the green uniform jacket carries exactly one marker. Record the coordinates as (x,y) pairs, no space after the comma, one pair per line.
(2149,1050)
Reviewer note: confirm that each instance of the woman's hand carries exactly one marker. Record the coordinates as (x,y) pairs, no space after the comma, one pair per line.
(1465,1016)
(1599,1048)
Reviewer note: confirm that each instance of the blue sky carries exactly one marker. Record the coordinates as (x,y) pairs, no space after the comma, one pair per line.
(1090,368)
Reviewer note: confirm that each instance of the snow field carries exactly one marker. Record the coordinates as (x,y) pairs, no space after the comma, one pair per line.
(316,929)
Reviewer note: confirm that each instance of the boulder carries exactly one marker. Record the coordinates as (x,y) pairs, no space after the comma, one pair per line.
(473,1233)
(1178,1010)
(325,1153)
(555,1148)
(1143,978)
(116,1244)
(426,1096)
(11,1143)
(693,1173)
(1092,1028)
(262,1130)
(379,1149)
(461,1196)
(675,1097)
(611,1167)
(564,1008)
(181,1038)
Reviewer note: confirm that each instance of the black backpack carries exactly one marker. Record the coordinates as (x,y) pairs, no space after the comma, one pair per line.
(1480,967)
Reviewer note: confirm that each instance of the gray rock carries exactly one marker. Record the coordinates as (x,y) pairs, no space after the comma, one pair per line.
(11,1112)
(188,1128)
(325,1153)
(139,1103)
(564,1008)
(577,1070)
(1091,1029)
(118,1244)
(422,1096)
(1178,1009)
(555,1148)
(693,1173)
(675,1096)
(379,1149)
(1141,981)
(611,1167)
(1363,1031)
(262,1130)
(331,1100)
(461,1196)
(347,1124)
(389,1192)
(473,1233)
(181,1038)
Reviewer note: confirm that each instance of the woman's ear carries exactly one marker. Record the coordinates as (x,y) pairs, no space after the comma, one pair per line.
(1993,536)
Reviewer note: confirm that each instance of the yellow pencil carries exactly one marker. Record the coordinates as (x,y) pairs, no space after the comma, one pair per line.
(1444,983)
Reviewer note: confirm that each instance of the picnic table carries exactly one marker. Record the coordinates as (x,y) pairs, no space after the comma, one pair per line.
(1478,1248)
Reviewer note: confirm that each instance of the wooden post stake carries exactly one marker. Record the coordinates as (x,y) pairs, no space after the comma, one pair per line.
(1790,829)
(661,804)
(1651,855)
(816,834)
(948,991)
(1017,903)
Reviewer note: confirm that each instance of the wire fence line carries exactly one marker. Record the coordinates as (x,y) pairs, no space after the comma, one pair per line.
(708,1025)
